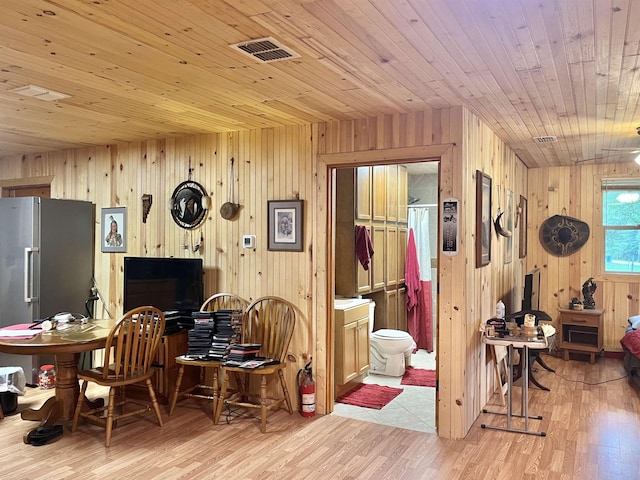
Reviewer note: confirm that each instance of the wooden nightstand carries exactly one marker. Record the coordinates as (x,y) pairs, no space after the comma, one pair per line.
(581,331)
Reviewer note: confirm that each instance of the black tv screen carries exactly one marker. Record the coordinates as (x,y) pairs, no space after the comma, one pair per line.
(166,283)
(531,296)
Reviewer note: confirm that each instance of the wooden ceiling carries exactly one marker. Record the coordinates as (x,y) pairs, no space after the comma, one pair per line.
(146,69)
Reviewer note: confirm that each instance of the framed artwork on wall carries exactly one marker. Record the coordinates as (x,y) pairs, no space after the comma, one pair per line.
(522,249)
(114,229)
(483,219)
(284,225)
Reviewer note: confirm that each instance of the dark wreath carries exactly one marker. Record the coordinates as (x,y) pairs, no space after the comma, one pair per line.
(189,204)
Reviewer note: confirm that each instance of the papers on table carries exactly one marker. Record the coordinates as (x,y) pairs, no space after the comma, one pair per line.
(5,332)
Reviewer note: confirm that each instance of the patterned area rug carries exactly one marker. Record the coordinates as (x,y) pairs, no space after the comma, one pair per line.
(369,395)
(419,377)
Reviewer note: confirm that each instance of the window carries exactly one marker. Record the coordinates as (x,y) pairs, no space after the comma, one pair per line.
(621,225)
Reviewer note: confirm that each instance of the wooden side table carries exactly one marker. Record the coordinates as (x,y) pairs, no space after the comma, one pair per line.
(581,331)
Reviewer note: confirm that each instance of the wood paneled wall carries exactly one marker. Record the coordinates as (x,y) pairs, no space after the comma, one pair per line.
(270,164)
(295,162)
(575,191)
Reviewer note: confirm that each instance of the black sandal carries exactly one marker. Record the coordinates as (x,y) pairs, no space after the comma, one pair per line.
(43,435)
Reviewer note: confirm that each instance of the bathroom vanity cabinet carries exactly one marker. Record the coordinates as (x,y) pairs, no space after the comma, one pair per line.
(352,340)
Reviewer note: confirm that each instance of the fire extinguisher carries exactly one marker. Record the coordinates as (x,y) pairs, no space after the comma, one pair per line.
(307,388)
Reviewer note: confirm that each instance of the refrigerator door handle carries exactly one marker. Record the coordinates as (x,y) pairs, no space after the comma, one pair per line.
(27,274)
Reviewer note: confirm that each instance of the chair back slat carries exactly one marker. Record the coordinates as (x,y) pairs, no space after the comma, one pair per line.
(224,301)
(134,342)
(270,321)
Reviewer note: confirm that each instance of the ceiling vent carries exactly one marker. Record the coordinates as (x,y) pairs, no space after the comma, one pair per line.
(265,50)
(547,139)
(39,92)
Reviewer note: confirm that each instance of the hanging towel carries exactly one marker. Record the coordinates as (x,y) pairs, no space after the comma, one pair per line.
(412,272)
(364,247)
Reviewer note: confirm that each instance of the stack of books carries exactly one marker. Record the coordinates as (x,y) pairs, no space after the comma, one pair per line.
(200,336)
(241,353)
(228,333)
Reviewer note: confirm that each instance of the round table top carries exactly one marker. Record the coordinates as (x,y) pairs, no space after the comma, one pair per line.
(71,338)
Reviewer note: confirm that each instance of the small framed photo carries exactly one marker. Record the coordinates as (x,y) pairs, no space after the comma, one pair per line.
(522,245)
(285,225)
(114,229)
(483,219)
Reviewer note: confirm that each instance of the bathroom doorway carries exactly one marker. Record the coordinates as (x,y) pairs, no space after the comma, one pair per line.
(415,407)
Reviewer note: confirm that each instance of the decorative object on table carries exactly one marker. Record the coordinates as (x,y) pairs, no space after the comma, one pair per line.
(189,203)
(522,218)
(229,210)
(420,377)
(369,395)
(588,289)
(483,219)
(575,304)
(114,229)
(284,225)
(147,200)
(561,235)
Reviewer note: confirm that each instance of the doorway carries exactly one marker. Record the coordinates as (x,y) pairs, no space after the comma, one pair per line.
(415,407)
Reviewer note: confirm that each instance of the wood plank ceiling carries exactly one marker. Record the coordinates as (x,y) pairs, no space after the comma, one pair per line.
(146,69)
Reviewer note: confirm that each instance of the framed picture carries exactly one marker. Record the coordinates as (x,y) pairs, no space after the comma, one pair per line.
(522,249)
(483,219)
(285,225)
(508,213)
(114,229)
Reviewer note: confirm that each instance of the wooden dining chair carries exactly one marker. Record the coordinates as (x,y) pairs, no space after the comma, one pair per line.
(207,388)
(133,343)
(269,321)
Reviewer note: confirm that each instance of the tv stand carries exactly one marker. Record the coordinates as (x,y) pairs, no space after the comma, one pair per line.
(581,331)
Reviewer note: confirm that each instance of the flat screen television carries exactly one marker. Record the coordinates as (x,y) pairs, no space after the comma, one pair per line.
(166,283)
(531,296)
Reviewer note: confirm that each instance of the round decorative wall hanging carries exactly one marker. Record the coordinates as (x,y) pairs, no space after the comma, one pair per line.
(189,204)
(561,235)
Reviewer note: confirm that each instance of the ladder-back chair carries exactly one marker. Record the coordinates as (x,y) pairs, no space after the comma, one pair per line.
(207,388)
(269,321)
(130,351)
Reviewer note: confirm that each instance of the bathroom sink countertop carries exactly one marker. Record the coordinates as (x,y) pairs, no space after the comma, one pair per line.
(345,303)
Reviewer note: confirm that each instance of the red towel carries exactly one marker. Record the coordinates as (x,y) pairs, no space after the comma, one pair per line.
(412,272)
(364,247)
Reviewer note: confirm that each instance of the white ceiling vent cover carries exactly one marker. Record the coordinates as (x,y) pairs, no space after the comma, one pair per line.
(39,92)
(547,139)
(265,50)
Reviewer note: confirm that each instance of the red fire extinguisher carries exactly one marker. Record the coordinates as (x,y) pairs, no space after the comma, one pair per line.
(307,388)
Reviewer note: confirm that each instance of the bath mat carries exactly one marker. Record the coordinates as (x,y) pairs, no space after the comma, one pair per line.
(369,395)
(419,377)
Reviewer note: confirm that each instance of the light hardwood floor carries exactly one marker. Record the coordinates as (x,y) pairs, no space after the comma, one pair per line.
(591,416)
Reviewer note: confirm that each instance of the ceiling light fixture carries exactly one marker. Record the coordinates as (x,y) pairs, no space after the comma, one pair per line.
(40,93)
(637,160)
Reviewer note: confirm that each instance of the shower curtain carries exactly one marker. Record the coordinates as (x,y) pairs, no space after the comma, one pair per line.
(419,299)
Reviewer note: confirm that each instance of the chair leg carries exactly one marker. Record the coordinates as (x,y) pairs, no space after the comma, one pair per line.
(223,393)
(154,401)
(176,393)
(109,424)
(76,415)
(285,391)
(263,403)
(215,393)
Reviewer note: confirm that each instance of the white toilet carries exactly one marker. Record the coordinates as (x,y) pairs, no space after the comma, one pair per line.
(389,350)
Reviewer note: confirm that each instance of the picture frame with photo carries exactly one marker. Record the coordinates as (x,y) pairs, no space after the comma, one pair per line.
(508,205)
(522,222)
(284,225)
(483,219)
(114,230)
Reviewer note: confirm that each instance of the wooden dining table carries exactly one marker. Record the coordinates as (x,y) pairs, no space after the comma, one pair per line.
(66,342)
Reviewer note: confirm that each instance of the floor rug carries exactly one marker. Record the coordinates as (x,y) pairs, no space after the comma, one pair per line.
(419,377)
(369,395)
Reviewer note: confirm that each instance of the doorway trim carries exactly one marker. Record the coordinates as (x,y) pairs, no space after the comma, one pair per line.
(327,164)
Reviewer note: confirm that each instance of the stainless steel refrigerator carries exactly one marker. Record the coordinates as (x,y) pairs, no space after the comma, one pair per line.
(46,264)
